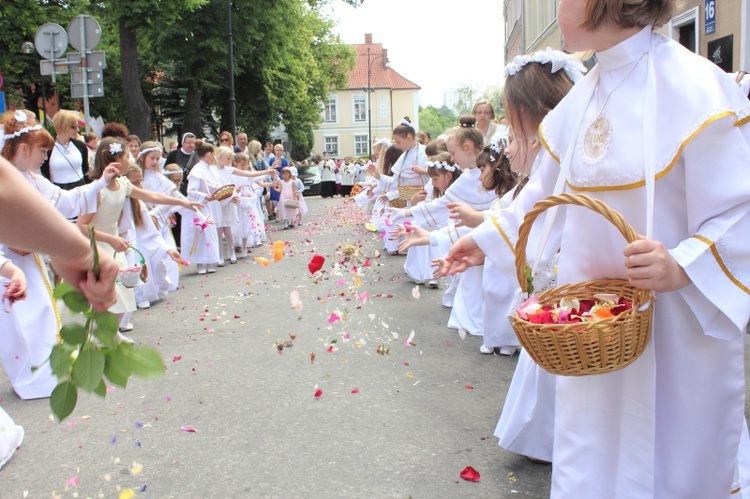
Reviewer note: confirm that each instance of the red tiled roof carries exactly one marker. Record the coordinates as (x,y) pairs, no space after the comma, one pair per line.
(381,75)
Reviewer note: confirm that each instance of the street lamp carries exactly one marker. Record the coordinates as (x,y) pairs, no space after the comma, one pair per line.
(369,91)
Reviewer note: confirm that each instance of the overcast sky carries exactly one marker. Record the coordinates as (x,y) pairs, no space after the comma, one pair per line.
(434,43)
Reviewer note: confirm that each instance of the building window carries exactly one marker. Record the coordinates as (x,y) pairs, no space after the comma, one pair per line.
(538,16)
(329,112)
(332,146)
(360,109)
(360,145)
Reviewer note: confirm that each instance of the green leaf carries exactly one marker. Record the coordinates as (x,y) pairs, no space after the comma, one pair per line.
(108,338)
(73,333)
(63,289)
(147,362)
(88,369)
(76,301)
(101,390)
(106,321)
(60,361)
(63,399)
(118,365)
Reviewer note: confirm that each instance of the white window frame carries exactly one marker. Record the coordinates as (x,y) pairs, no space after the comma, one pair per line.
(364,142)
(335,100)
(687,17)
(363,100)
(333,154)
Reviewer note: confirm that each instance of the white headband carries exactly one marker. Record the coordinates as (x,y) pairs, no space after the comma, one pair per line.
(4,138)
(148,150)
(169,173)
(559,60)
(442,165)
(407,123)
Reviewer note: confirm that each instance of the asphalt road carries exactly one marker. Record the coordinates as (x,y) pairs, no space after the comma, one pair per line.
(236,414)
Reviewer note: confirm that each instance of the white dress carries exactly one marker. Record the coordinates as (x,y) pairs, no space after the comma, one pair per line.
(157,182)
(670,424)
(418,265)
(200,245)
(31,326)
(226,211)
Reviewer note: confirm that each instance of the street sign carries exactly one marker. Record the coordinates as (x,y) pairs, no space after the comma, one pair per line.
(51,41)
(94,76)
(95,59)
(710,16)
(85,33)
(2,102)
(2,81)
(95,90)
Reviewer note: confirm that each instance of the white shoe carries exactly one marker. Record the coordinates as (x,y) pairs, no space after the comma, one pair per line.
(243,252)
(211,269)
(486,350)
(144,304)
(433,284)
(128,327)
(124,339)
(417,281)
(508,351)
(201,269)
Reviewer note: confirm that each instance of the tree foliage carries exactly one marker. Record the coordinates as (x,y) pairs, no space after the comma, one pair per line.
(436,121)
(173,68)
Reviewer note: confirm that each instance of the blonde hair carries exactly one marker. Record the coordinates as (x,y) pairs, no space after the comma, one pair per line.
(627,13)
(135,204)
(63,120)
(254,147)
(221,151)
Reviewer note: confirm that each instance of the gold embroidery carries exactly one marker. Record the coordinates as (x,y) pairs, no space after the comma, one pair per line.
(723,267)
(666,170)
(52,299)
(546,145)
(502,233)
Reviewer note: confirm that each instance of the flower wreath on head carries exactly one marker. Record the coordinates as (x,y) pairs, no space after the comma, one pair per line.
(145,151)
(442,165)
(20,117)
(559,60)
(385,141)
(115,148)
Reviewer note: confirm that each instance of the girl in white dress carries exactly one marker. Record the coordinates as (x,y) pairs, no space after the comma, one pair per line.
(30,327)
(383,175)
(226,215)
(672,423)
(110,203)
(302,210)
(287,192)
(250,228)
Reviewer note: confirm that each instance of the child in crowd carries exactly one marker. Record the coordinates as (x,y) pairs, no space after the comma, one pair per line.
(288,199)
(250,231)
(226,213)
(638,432)
(30,327)
(109,207)
(300,189)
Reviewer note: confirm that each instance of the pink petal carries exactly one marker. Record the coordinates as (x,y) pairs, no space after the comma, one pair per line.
(188,429)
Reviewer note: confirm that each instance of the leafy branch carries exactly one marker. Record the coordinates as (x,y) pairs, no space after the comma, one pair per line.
(89,353)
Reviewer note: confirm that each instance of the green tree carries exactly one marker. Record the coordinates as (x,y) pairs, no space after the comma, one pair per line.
(466,98)
(433,122)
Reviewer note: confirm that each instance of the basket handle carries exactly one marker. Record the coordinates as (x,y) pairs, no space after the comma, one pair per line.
(565,198)
(130,246)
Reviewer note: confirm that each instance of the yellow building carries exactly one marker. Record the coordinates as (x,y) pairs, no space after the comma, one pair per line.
(355,116)
(530,26)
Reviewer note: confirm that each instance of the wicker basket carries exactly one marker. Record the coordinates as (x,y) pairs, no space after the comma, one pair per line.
(223,192)
(584,348)
(405,193)
(129,276)
(20,251)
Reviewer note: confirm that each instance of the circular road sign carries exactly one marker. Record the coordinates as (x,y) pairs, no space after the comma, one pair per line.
(51,41)
(84,28)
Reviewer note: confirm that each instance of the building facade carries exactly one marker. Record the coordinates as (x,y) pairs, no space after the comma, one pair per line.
(717,30)
(375,101)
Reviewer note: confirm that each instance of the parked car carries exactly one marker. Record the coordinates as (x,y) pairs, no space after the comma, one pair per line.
(310,177)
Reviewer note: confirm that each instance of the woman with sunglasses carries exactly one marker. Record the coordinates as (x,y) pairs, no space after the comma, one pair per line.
(68,162)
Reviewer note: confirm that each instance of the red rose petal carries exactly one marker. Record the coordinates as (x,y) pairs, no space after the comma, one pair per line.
(316,263)
(470,474)
(318,393)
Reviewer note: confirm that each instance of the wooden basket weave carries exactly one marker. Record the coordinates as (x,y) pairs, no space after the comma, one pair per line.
(584,348)
(405,193)
(223,192)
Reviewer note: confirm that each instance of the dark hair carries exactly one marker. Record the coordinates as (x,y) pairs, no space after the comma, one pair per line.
(435,147)
(404,130)
(433,172)
(536,90)
(389,159)
(627,14)
(202,148)
(503,178)
(113,129)
(466,132)
(133,138)
(104,157)
(89,136)
(35,138)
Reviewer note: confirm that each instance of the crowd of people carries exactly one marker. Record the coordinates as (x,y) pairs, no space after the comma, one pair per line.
(638,131)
